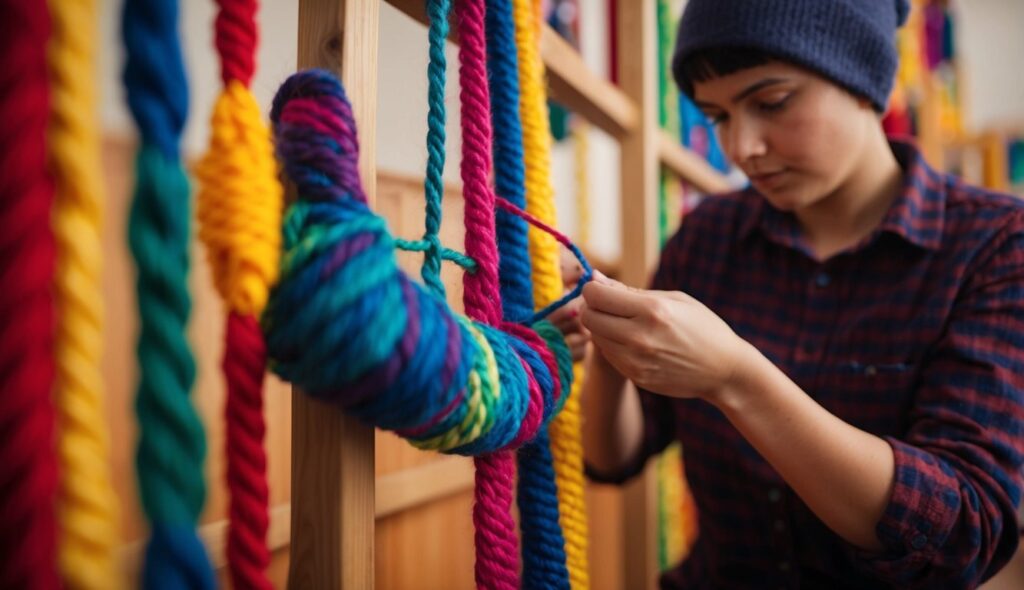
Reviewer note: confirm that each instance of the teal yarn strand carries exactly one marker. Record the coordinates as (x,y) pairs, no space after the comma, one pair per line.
(171,446)
(437,11)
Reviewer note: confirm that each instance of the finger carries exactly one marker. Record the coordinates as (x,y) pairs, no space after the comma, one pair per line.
(615,299)
(614,353)
(607,326)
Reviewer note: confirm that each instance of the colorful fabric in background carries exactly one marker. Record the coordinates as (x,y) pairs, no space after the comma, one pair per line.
(563,18)
(927,72)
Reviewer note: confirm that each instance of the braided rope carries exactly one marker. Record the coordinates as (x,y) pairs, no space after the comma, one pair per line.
(87,505)
(172,445)
(566,446)
(28,483)
(239,214)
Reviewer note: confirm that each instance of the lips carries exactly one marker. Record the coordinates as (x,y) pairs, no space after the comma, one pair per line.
(767,179)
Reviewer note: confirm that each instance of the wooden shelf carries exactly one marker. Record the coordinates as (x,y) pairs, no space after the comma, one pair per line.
(690,167)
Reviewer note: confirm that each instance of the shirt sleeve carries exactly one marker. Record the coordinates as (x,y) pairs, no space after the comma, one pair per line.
(658,411)
(951,520)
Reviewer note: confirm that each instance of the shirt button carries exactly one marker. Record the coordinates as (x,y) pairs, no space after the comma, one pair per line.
(822,280)
(774,495)
(783,566)
(780,525)
(919,542)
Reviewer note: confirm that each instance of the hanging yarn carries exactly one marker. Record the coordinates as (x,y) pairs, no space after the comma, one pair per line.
(172,445)
(87,505)
(346,325)
(239,213)
(543,545)
(565,450)
(28,483)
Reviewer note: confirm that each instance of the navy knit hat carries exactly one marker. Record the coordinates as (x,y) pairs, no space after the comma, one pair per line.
(851,42)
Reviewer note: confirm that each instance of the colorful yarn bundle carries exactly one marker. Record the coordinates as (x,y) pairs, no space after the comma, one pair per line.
(28,484)
(172,444)
(87,507)
(239,213)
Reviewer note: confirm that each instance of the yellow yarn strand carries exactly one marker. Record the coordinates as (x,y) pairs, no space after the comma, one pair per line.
(581,155)
(566,445)
(87,505)
(239,202)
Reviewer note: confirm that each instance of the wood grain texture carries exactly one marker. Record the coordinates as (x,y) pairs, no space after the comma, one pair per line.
(332,455)
(637,62)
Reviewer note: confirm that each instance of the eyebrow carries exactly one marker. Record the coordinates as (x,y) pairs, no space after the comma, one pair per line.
(745,93)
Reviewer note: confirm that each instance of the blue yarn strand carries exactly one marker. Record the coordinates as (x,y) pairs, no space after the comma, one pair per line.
(543,544)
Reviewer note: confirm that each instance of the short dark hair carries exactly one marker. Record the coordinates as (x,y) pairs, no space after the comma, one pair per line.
(711,63)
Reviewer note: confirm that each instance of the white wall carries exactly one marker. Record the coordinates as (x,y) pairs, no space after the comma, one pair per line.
(991,45)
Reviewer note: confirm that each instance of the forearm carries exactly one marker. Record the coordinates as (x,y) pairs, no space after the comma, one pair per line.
(843,474)
(612,417)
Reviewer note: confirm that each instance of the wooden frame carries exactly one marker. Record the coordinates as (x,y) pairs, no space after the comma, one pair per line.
(332,509)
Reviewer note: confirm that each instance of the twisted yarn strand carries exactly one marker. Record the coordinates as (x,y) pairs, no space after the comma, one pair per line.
(86,504)
(346,325)
(171,446)
(496,555)
(239,214)
(543,544)
(28,482)
(567,449)
(437,11)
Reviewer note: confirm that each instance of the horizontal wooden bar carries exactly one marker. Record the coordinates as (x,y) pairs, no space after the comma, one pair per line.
(570,81)
(411,487)
(689,167)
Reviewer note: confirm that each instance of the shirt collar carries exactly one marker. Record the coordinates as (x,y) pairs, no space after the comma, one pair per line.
(916,215)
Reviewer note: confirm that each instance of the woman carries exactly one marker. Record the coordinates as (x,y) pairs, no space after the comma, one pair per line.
(840,346)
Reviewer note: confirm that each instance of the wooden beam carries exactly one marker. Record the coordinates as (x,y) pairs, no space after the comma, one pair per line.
(412,487)
(637,63)
(583,92)
(332,454)
(689,167)
(570,81)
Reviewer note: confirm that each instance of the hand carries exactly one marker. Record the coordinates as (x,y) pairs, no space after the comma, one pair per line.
(567,318)
(665,342)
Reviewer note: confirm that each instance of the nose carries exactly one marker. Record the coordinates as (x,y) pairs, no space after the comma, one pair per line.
(743,140)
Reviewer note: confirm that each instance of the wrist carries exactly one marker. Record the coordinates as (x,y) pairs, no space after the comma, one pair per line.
(748,370)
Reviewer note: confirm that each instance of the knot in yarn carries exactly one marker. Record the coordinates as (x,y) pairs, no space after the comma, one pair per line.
(345,324)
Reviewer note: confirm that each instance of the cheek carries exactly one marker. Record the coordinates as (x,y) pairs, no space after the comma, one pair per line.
(823,137)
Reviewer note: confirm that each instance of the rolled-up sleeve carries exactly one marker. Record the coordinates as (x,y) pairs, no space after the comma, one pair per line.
(951,520)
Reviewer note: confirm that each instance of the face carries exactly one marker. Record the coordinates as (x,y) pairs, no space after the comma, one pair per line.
(797,136)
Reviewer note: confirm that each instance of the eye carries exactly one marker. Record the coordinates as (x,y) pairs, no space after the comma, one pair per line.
(716,118)
(774,105)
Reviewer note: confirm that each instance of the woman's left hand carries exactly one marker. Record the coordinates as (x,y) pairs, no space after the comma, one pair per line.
(663,341)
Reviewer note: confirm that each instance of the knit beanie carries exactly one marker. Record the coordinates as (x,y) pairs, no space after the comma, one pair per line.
(851,42)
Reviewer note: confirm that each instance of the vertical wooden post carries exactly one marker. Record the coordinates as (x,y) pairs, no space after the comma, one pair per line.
(638,76)
(333,454)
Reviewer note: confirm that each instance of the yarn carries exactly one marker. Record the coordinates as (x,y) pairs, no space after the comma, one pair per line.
(566,445)
(28,483)
(87,505)
(239,214)
(172,446)
(345,325)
